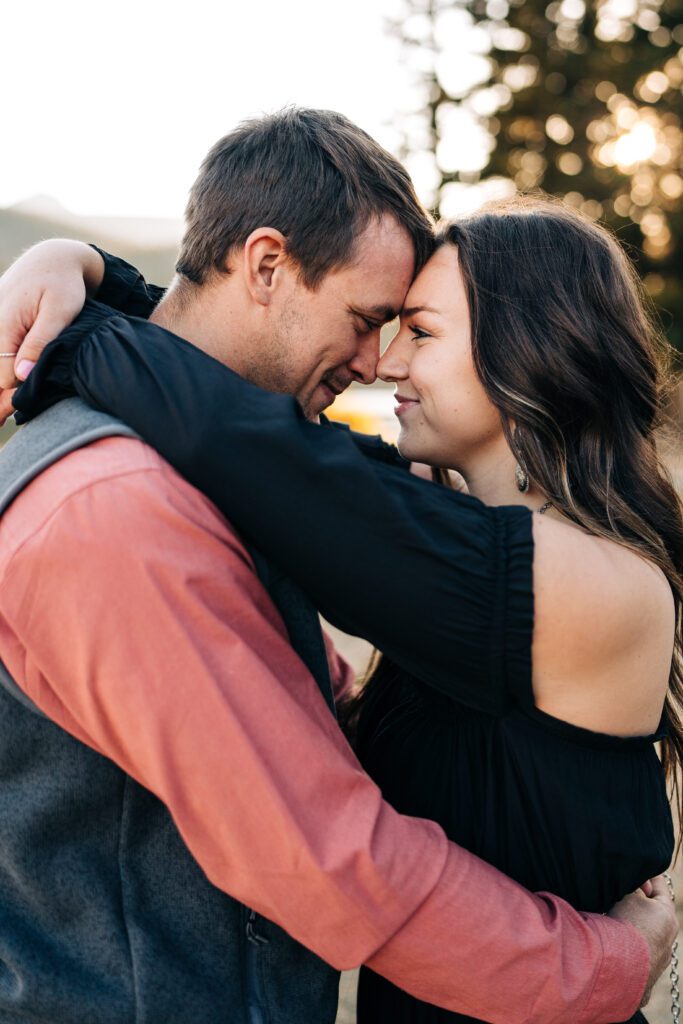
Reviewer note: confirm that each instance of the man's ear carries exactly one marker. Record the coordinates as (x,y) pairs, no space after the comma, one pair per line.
(265,263)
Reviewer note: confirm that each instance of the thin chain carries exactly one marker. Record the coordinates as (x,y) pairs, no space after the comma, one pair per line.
(673,973)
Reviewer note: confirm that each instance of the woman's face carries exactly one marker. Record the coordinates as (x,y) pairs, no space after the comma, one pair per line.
(445,415)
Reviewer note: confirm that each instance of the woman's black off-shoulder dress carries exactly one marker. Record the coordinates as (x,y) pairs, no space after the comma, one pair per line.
(438,581)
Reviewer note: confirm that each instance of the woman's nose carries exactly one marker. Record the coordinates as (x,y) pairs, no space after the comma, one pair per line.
(394,363)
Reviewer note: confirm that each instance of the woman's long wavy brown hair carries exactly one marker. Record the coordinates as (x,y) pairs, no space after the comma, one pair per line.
(568,351)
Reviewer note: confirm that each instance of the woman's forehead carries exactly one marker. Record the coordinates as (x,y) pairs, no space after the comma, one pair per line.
(438,284)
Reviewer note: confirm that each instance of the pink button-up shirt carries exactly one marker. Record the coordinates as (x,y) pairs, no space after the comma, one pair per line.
(130,613)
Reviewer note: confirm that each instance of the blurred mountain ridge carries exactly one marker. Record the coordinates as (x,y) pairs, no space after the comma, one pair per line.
(150,244)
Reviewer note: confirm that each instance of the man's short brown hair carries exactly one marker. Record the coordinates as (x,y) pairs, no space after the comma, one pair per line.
(311,174)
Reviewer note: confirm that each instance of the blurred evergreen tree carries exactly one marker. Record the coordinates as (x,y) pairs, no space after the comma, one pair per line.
(581,99)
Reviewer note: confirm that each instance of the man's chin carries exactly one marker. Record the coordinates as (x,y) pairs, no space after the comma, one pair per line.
(321,399)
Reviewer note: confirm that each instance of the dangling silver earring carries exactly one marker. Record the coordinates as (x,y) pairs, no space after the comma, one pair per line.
(521,475)
(521,479)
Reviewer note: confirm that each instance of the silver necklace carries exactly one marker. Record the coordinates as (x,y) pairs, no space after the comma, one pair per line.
(544,508)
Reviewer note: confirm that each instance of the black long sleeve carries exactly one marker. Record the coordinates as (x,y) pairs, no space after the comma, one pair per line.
(124,288)
(436,579)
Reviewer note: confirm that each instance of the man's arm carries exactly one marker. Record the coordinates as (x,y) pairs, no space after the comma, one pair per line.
(130,614)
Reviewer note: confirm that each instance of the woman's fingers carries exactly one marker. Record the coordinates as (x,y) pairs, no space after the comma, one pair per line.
(54,314)
(40,295)
(12,334)
(6,407)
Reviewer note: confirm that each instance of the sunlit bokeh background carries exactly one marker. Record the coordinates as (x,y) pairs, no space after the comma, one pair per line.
(108,112)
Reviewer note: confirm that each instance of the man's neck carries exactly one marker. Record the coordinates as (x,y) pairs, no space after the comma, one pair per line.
(194,319)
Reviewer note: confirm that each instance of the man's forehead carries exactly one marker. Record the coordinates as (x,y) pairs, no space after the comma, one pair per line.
(384,238)
(377,280)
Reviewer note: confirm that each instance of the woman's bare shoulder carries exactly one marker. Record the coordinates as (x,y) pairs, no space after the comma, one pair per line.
(571,564)
(604,625)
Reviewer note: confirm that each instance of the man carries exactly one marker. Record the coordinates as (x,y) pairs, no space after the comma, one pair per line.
(163,740)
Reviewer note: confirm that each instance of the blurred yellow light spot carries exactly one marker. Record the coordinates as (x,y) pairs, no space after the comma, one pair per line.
(598,131)
(497,9)
(657,82)
(658,246)
(559,130)
(674,70)
(626,116)
(635,146)
(533,162)
(570,163)
(617,100)
(641,195)
(653,224)
(660,37)
(573,9)
(525,180)
(520,76)
(604,90)
(622,205)
(526,129)
(619,8)
(672,186)
(606,155)
(647,95)
(608,29)
(654,283)
(593,209)
(648,20)
(662,155)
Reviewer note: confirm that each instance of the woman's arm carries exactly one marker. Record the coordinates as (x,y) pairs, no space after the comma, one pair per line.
(45,289)
(436,579)
(124,288)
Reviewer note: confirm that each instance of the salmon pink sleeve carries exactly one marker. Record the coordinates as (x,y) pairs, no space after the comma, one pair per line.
(131,615)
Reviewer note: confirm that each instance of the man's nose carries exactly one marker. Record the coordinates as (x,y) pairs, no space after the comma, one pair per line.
(364,363)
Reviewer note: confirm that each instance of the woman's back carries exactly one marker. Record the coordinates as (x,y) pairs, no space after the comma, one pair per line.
(578,811)
(604,624)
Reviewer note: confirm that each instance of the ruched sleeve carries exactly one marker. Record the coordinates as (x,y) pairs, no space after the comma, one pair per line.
(124,288)
(437,580)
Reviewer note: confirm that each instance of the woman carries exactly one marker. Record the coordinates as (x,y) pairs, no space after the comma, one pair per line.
(520,712)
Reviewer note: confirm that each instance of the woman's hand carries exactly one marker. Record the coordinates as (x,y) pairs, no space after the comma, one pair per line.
(40,295)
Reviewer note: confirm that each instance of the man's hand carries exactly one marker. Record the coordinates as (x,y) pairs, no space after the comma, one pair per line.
(654,915)
(40,295)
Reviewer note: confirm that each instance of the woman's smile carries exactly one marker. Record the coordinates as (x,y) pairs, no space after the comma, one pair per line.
(404,404)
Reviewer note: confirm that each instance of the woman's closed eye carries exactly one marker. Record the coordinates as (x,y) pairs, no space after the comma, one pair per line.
(418,333)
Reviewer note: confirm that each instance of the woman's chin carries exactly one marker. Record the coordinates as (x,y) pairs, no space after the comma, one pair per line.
(410,450)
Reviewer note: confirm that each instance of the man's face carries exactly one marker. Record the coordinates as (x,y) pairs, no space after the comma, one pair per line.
(322,340)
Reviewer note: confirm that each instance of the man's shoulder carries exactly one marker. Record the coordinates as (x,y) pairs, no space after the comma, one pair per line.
(128,479)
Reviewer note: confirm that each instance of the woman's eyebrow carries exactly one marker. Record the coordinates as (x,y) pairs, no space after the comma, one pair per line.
(412,310)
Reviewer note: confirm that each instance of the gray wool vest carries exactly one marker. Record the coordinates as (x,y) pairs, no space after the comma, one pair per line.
(105,917)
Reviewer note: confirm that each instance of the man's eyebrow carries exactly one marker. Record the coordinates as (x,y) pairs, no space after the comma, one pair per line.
(412,310)
(381,312)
